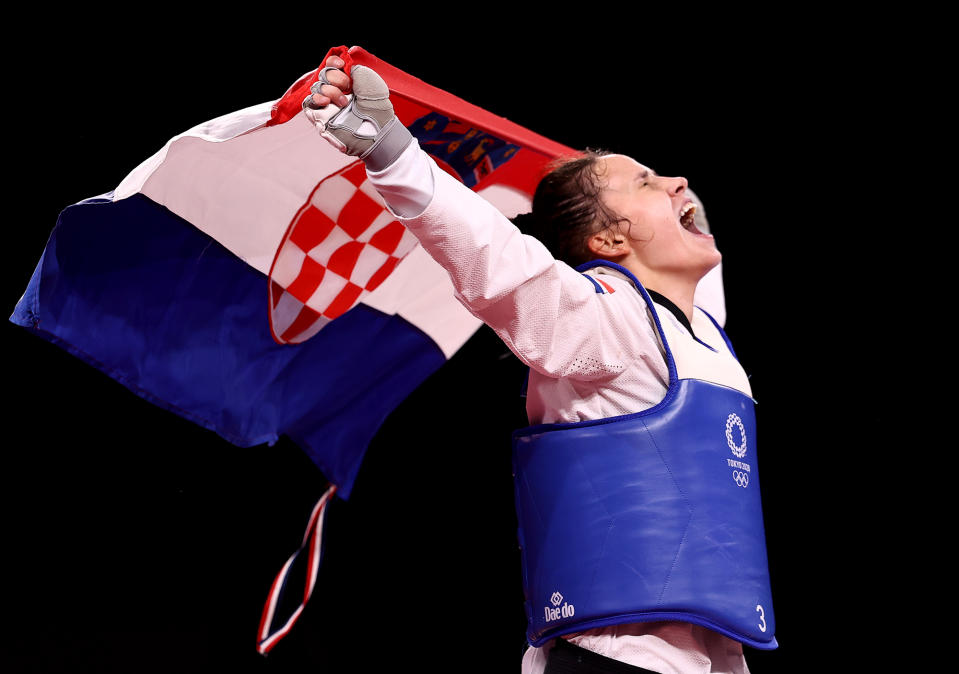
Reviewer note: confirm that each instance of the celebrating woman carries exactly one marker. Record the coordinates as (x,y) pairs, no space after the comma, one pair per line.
(636,490)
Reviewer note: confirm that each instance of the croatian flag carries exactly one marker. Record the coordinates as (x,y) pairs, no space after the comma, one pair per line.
(249,278)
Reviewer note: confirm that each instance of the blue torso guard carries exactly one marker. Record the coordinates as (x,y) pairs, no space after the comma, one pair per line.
(648,516)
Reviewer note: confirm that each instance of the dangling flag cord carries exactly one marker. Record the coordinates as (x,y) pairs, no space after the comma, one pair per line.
(312,538)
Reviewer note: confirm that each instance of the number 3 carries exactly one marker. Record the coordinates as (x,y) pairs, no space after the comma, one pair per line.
(762,618)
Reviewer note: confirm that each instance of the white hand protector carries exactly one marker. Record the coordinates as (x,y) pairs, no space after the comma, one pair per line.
(366,127)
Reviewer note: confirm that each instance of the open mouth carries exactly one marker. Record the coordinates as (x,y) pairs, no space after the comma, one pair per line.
(686,218)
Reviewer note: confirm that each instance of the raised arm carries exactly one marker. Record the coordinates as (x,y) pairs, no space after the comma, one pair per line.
(547,313)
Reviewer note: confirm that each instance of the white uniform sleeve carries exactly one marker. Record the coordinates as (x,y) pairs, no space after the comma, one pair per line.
(547,313)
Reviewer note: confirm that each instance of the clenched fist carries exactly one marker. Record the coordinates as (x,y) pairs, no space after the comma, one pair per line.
(362,124)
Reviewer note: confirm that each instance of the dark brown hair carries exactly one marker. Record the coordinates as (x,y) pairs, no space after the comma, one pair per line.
(567,208)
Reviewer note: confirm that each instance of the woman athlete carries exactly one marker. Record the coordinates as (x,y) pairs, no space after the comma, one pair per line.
(638,506)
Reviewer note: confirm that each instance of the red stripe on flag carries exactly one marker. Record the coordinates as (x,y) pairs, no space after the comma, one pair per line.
(343,301)
(310,230)
(605,285)
(421,94)
(358,213)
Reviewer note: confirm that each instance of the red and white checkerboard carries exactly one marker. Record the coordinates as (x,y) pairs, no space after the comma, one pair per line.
(340,246)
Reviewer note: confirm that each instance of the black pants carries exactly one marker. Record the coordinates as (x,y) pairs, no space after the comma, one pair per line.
(567,658)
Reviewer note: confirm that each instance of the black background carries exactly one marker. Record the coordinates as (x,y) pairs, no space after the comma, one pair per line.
(136,541)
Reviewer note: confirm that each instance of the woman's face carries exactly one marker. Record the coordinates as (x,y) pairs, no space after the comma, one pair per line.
(659,235)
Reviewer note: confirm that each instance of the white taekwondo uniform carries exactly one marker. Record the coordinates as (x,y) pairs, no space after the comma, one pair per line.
(591,356)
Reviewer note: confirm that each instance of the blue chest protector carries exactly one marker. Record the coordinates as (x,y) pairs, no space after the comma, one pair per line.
(648,516)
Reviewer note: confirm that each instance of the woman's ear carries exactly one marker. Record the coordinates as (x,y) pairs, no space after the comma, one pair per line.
(608,243)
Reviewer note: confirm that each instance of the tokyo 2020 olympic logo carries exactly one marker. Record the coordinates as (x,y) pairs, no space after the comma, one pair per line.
(733,421)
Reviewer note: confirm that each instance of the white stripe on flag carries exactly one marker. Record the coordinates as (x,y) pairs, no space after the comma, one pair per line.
(220,185)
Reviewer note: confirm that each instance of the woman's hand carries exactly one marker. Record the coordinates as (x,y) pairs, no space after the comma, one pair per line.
(362,124)
(340,85)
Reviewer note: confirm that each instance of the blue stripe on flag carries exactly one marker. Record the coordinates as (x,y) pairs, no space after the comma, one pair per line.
(156,304)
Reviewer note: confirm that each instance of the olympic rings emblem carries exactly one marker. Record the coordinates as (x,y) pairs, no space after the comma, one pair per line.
(738,450)
(742,479)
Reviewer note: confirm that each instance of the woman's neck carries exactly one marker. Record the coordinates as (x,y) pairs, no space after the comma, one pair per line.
(677,288)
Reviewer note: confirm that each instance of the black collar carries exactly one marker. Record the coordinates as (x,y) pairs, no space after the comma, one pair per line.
(680,316)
